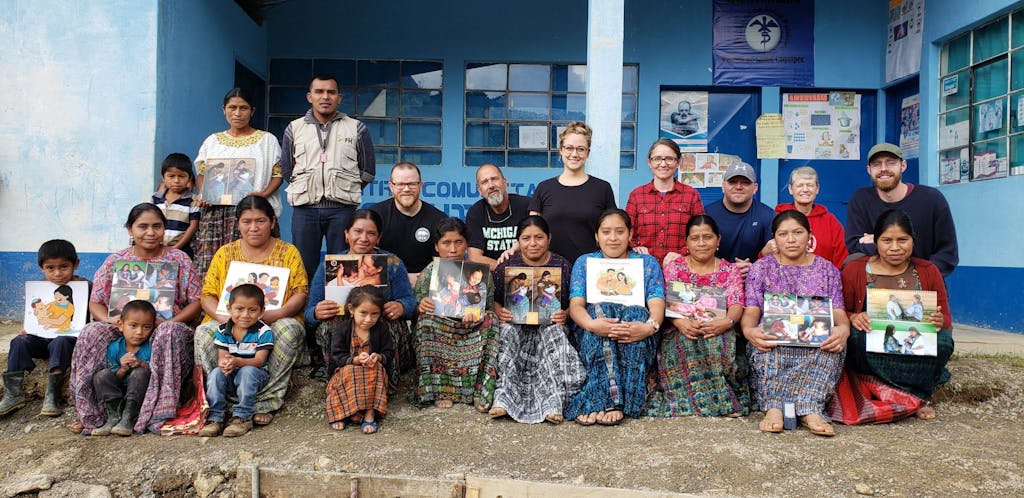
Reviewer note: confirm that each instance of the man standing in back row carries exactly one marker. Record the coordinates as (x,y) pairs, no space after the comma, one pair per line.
(934,232)
(745,224)
(409,223)
(327,158)
(493,220)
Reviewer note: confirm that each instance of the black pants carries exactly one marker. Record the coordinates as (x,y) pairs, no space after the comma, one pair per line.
(27,347)
(110,388)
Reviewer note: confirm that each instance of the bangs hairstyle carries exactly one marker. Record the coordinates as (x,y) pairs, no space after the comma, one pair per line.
(179,161)
(365,293)
(57,249)
(248,291)
(451,225)
(139,306)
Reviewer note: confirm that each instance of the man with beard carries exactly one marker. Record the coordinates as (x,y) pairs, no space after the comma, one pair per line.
(934,233)
(408,221)
(493,220)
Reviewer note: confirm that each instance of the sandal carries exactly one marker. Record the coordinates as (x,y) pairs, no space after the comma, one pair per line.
(772,421)
(554,418)
(818,427)
(263,418)
(583,420)
(602,421)
(369,425)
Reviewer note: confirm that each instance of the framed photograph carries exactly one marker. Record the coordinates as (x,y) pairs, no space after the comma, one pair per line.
(228,180)
(146,281)
(533,293)
(345,272)
(52,311)
(898,323)
(686,300)
(794,320)
(459,288)
(616,281)
(684,119)
(273,280)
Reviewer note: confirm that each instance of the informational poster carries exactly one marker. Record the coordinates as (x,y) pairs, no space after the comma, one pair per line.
(910,126)
(990,116)
(822,125)
(701,170)
(903,47)
(987,165)
(954,169)
(684,119)
(771,136)
(763,42)
(954,135)
(533,137)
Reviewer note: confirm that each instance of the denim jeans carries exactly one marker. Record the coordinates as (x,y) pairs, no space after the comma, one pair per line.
(244,383)
(310,225)
(25,347)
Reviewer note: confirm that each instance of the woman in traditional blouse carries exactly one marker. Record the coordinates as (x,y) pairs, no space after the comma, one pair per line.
(256,221)
(698,369)
(804,376)
(171,341)
(617,342)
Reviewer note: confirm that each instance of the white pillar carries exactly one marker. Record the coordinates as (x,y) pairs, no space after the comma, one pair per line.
(604,88)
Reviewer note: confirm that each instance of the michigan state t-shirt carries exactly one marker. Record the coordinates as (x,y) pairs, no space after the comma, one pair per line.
(494,233)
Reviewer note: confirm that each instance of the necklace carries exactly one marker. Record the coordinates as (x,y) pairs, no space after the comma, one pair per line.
(507,216)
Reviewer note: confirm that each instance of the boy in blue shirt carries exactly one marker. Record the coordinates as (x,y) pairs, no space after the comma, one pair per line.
(121,386)
(58,260)
(243,344)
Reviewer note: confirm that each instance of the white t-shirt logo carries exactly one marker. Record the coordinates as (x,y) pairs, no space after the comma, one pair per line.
(422,234)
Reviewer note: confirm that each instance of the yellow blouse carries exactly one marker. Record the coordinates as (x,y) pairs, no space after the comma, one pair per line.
(283,255)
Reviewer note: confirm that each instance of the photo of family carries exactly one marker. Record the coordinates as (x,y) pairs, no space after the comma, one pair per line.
(345,272)
(533,293)
(686,300)
(457,288)
(144,275)
(273,280)
(615,281)
(899,322)
(50,310)
(797,320)
(162,300)
(227,181)
(908,305)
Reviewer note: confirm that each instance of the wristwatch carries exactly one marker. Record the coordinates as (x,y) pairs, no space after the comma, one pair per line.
(654,323)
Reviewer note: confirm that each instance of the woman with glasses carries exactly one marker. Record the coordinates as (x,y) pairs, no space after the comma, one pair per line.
(660,209)
(572,201)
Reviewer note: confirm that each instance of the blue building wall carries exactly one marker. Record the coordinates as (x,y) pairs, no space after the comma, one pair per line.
(149,78)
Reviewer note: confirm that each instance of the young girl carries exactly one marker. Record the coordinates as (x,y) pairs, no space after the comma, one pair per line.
(361,353)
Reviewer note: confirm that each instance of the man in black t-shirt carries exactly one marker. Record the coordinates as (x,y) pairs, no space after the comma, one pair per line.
(409,223)
(493,220)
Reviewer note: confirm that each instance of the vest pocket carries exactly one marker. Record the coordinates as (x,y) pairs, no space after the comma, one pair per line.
(299,188)
(343,185)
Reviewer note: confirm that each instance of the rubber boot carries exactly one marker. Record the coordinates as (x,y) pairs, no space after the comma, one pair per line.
(51,403)
(113,409)
(14,393)
(126,425)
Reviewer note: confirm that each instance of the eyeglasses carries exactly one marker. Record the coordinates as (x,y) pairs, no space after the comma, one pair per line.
(663,159)
(404,185)
(568,149)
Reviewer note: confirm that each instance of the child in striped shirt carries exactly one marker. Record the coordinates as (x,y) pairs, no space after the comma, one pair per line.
(174,198)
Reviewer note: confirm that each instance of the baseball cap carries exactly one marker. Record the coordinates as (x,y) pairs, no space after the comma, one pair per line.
(741,169)
(887,148)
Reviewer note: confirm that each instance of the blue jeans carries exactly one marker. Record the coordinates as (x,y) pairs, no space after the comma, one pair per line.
(310,225)
(25,347)
(244,383)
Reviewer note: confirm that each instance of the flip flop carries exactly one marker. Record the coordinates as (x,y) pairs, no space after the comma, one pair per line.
(372,425)
(584,423)
(771,425)
(616,422)
(826,429)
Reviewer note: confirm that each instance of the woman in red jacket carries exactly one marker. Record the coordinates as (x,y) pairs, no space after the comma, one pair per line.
(827,239)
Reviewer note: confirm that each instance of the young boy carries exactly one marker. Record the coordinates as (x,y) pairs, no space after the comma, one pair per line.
(121,386)
(58,260)
(243,344)
(175,200)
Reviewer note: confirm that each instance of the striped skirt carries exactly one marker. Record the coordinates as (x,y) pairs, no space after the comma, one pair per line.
(918,375)
(217,226)
(289,343)
(616,374)
(703,377)
(355,389)
(538,371)
(806,377)
(171,362)
(456,361)
(401,337)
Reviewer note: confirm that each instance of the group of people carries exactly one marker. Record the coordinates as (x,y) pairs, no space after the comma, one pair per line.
(593,363)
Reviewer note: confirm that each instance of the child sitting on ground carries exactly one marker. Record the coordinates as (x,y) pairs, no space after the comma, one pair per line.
(243,345)
(361,353)
(58,260)
(121,387)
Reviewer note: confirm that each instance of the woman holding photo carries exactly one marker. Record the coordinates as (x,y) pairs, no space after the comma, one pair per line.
(616,342)
(804,376)
(171,339)
(362,236)
(538,369)
(699,371)
(456,358)
(256,222)
(894,268)
(257,153)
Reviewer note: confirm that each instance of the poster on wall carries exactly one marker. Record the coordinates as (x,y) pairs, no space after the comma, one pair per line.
(910,127)
(987,166)
(701,170)
(822,125)
(684,119)
(954,168)
(990,116)
(763,43)
(903,44)
(771,136)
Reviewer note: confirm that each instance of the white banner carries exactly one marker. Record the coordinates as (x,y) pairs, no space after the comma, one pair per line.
(903,47)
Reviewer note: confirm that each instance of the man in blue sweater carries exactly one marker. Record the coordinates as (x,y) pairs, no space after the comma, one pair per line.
(745,224)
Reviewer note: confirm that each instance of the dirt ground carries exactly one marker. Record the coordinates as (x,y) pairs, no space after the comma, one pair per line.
(975,446)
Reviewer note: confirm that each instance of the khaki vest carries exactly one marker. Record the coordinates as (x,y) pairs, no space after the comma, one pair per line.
(336,180)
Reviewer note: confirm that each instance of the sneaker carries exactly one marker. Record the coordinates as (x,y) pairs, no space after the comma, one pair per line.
(237,427)
(211,429)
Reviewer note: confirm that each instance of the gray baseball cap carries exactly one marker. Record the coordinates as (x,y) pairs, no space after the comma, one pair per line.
(887,148)
(741,169)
